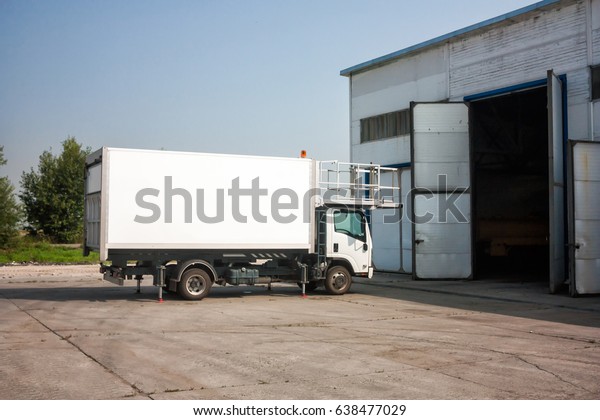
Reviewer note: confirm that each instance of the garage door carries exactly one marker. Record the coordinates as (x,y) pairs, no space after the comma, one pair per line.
(556,239)
(584,218)
(441,193)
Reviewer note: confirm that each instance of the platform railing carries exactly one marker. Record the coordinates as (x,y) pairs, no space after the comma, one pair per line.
(359,184)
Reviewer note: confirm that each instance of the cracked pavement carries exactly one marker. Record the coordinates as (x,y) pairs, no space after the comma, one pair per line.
(65,334)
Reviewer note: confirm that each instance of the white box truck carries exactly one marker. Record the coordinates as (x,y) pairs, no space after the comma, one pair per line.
(192,220)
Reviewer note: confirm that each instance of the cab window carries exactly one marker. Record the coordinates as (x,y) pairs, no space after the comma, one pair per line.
(351,223)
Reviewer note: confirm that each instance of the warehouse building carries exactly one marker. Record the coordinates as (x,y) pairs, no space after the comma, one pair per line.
(493,129)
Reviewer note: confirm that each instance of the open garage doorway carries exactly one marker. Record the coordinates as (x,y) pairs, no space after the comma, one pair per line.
(509,135)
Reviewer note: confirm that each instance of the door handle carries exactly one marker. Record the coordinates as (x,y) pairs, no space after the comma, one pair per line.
(335,247)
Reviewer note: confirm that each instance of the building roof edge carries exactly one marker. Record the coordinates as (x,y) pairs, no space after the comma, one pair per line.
(376,62)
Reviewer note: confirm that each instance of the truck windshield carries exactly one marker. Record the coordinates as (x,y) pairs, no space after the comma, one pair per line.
(351,223)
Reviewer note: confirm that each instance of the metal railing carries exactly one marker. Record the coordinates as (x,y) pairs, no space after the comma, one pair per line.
(359,184)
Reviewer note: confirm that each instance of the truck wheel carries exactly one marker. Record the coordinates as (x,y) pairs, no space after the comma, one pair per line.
(194,284)
(338,280)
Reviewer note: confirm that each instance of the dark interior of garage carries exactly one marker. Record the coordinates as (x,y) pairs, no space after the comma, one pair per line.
(510,180)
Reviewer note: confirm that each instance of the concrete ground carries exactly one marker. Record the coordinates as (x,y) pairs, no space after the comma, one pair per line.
(65,334)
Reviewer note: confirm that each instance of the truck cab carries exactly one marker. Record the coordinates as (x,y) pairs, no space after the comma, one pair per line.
(350,240)
(343,249)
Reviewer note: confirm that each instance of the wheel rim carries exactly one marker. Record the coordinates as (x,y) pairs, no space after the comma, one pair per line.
(339,280)
(195,285)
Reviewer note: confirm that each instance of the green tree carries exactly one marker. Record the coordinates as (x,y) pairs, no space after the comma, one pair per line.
(10,213)
(53,195)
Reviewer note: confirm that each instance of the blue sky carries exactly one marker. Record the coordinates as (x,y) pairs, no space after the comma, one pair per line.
(245,77)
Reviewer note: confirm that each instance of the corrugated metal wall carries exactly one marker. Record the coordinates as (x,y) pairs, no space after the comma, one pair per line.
(523,51)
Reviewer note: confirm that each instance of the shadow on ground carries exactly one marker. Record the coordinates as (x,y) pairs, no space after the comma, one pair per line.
(518,299)
(512,297)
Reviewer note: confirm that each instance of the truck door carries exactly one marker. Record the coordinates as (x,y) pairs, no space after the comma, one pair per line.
(441,191)
(350,235)
(584,217)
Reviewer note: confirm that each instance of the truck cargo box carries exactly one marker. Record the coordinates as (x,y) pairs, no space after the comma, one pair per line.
(163,200)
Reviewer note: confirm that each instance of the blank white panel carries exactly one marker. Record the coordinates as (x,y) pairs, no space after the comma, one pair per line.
(441,147)
(443,249)
(443,238)
(441,117)
(586,163)
(441,164)
(586,203)
(456,266)
(444,207)
(587,270)
(587,197)
(131,172)
(456,175)
(587,233)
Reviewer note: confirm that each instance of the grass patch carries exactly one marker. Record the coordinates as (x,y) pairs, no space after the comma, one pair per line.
(30,250)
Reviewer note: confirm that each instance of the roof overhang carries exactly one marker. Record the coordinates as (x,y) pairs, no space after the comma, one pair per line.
(383,60)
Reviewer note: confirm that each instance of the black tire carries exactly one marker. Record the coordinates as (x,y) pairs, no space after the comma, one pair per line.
(195,284)
(338,280)
(311,286)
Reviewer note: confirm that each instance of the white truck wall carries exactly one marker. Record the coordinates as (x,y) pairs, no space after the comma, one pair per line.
(127,172)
